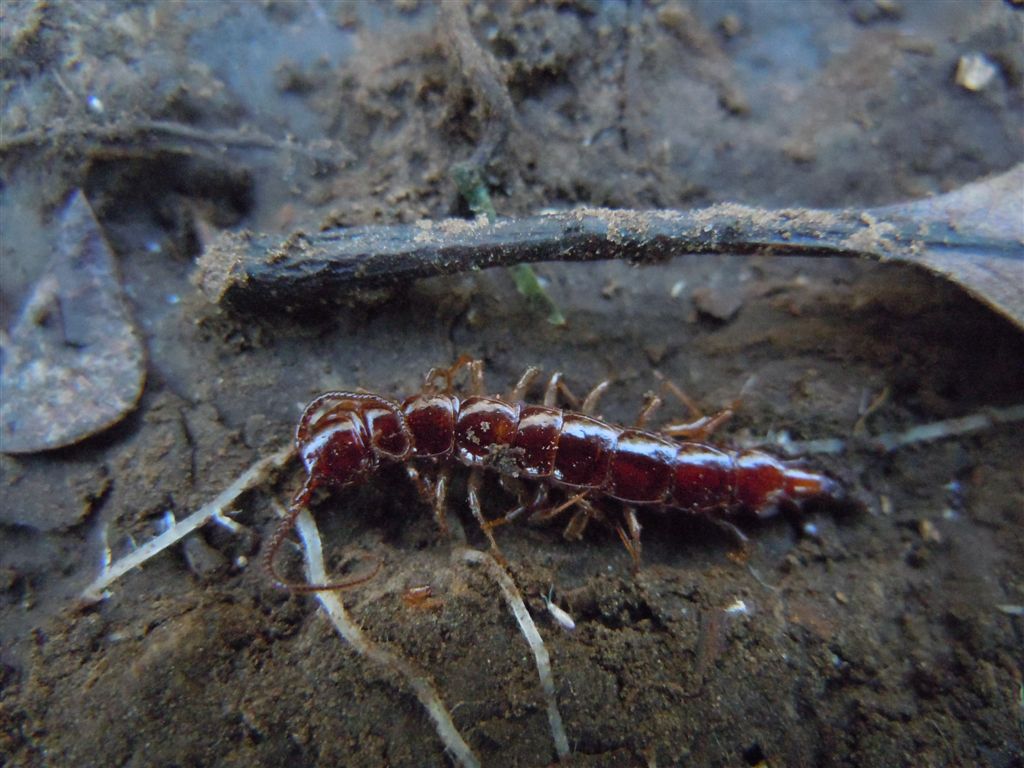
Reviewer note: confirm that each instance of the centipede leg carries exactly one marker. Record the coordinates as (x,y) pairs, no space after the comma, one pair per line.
(701,426)
(525,505)
(544,515)
(518,393)
(551,391)
(651,404)
(577,525)
(424,485)
(441,499)
(581,519)
(700,429)
(631,540)
(688,402)
(476,377)
(557,386)
(448,374)
(473,492)
(590,401)
(434,491)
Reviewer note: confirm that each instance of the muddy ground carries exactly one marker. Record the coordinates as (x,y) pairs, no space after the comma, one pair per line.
(872,639)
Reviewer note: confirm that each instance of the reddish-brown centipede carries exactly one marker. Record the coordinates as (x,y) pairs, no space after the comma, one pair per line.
(344,437)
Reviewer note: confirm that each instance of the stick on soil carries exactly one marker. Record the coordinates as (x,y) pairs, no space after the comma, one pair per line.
(955,236)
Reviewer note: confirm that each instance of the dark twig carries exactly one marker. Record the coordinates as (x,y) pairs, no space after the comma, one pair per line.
(251,272)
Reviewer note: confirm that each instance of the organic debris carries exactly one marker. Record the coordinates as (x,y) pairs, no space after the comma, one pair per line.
(481,71)
(74,364)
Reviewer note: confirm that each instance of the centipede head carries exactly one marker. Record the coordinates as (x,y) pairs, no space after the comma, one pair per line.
(342,436)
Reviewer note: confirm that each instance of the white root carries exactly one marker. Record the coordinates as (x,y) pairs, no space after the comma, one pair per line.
(891,441)
(887,442)
(533,638)
(338,616)
(254,475)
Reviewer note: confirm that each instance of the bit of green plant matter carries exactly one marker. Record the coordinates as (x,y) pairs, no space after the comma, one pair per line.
(470,183)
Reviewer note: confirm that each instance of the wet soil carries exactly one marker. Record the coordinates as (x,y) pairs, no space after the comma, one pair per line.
(872,637)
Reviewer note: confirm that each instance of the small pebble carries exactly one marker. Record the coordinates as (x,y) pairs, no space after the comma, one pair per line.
(974,72)
(719,304)
(929,532)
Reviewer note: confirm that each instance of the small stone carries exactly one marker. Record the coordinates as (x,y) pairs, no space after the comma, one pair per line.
(656,352)
(730,25)
(929,532)
(974,72)
(203,560)
(871,11)
(718,303)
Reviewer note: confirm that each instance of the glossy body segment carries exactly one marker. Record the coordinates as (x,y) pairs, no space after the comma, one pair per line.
(536,440)
(584,451)
(431,421)
(702,476)
(484,426)
(344,436)
(388,435)
(640,470)
(339,451)
(341,434)
(763,483)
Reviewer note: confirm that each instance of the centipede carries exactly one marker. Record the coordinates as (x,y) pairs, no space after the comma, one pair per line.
(555,460)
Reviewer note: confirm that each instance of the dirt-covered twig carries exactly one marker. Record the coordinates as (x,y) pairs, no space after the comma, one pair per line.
(887,442)
(252,272)
(254,475)
(533,638)
(417,680)
(163,134)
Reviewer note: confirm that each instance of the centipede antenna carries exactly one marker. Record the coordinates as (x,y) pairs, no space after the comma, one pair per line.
(287,523)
